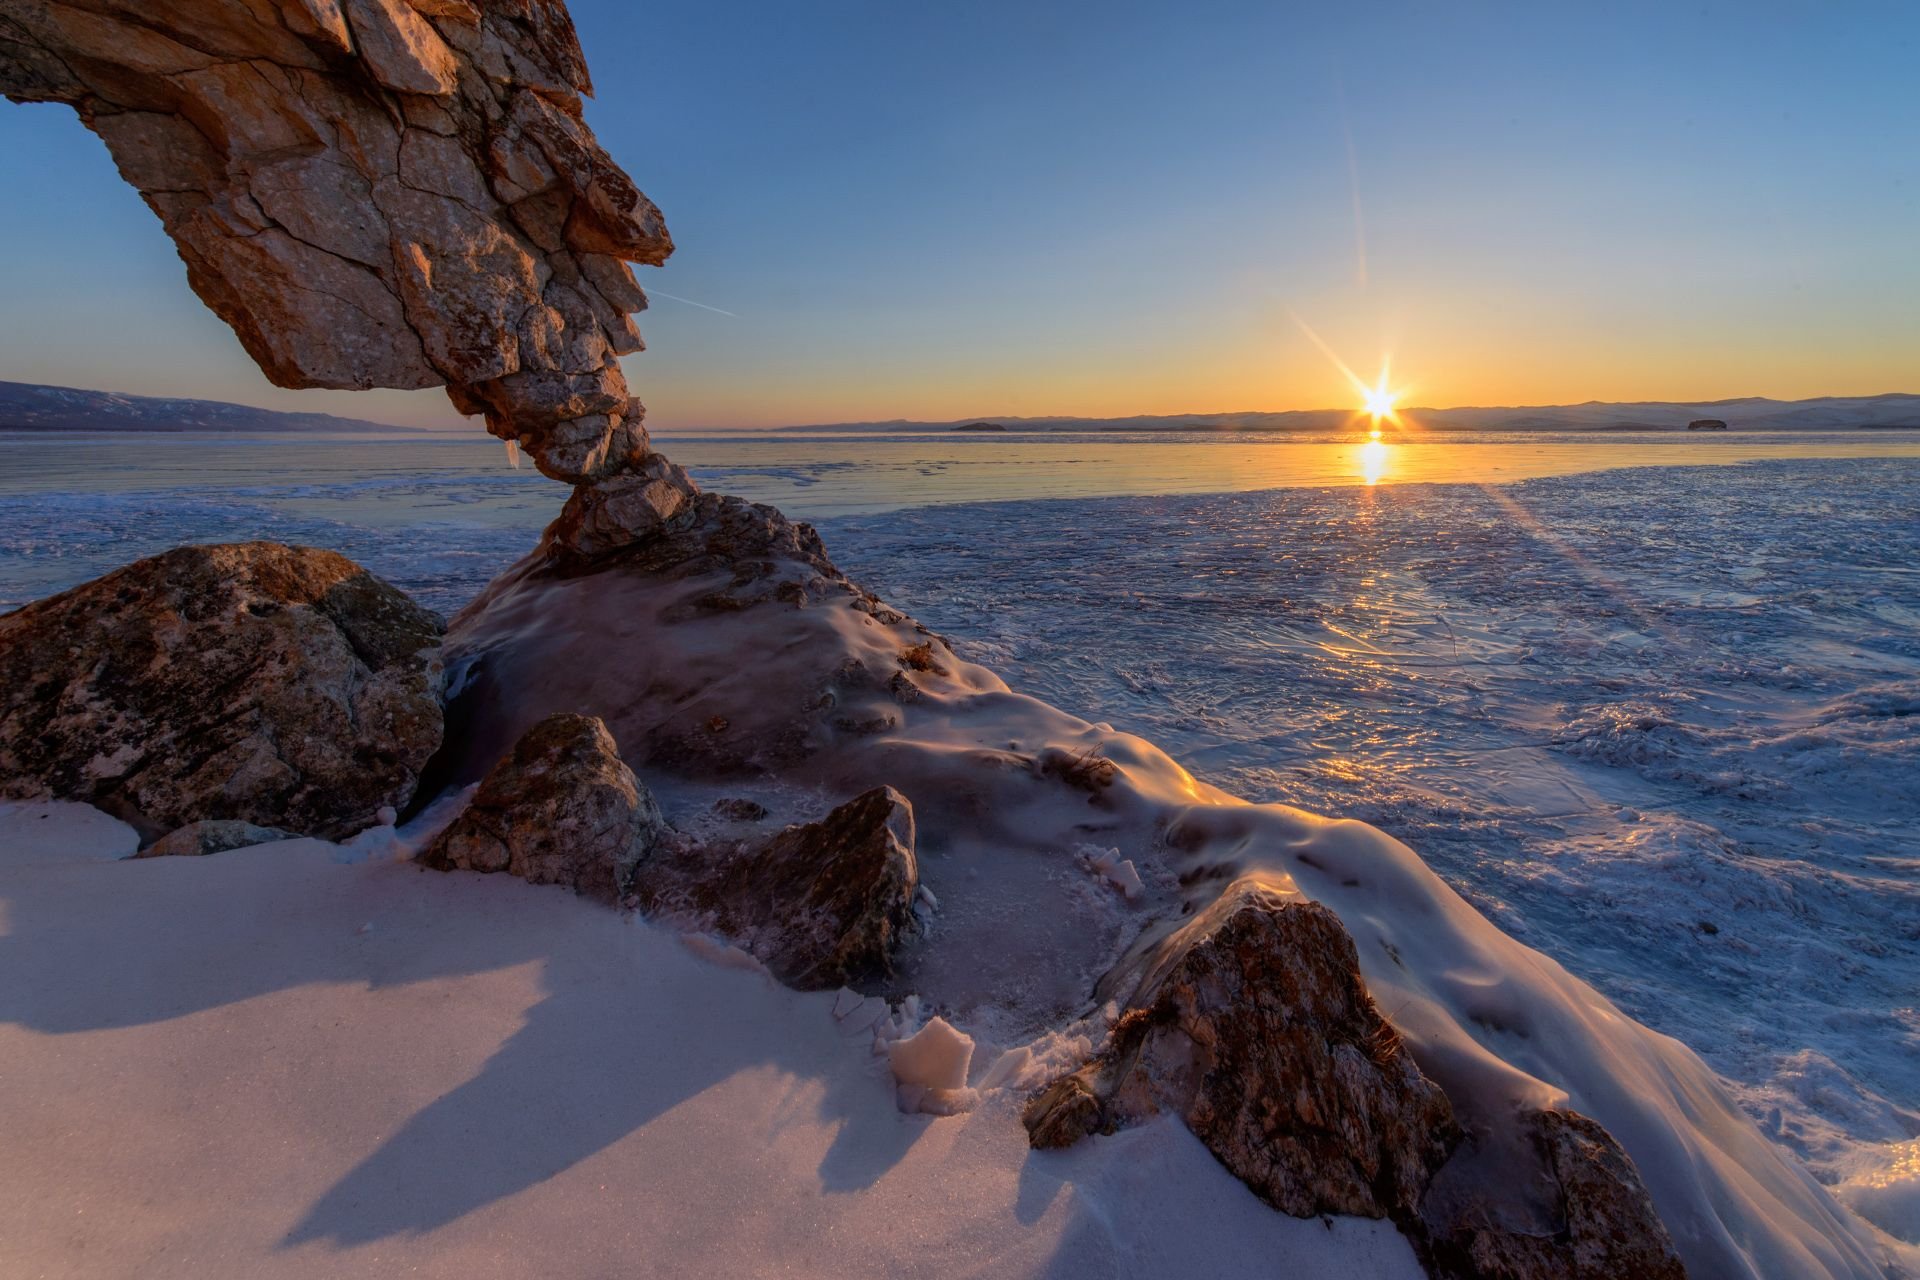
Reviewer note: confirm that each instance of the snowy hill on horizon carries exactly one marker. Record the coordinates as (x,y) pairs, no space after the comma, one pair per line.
(29,406)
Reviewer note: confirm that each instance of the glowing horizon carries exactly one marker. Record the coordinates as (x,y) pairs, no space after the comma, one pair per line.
(959,260)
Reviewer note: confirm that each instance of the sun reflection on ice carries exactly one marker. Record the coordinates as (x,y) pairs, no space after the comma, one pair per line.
(1373,459)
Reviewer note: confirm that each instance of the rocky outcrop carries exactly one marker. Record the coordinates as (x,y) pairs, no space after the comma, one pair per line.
(198,839)
(252,682)
(1256,1028)
(822,904)
(560,809)
(1259,1032)
(378,193)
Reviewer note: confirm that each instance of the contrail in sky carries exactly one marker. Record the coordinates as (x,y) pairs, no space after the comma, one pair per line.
(662,293)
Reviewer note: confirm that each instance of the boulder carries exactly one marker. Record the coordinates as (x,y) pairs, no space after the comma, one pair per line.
(1254,1025)
(251,682)
(561,808)
(822,905)
(1561,1202)
(197,839)
(1258,1031)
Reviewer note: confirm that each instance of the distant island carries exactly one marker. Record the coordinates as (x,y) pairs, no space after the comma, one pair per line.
(27,406)
(1753,413)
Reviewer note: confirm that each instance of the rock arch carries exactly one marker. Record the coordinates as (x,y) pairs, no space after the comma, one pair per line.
(379,193)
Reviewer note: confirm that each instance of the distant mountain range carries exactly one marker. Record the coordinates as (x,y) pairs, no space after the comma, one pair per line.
(27,406)
(1826,413)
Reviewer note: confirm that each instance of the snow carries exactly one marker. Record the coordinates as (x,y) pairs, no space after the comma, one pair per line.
(1885,1190)
(211,1070)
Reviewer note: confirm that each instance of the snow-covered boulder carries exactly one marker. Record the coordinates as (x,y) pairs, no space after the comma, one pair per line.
(561,808)
(253,682)
(1258,1030)
(768,673)
(822,904)
(1254,1025)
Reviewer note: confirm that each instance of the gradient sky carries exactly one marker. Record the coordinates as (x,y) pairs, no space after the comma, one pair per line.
(937,210)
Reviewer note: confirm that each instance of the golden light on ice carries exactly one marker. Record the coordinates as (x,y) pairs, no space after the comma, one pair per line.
(1373,459)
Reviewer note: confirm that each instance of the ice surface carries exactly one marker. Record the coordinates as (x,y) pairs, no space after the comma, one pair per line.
(1658,724)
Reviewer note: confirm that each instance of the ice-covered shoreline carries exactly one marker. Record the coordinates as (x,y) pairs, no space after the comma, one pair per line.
(1657,724)
(1588,628)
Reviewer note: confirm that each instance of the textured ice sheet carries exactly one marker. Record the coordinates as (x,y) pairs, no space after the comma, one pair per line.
(1660,724)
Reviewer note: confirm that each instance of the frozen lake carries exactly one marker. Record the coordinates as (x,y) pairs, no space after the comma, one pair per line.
(440,513)
(1652,703)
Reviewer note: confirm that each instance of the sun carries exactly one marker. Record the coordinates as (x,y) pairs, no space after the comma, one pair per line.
(1379,400)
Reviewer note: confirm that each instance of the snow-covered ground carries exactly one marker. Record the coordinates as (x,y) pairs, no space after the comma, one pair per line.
(1659,724)
(305,1060)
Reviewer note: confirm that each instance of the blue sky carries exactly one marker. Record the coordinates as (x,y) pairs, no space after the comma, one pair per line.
(943,210)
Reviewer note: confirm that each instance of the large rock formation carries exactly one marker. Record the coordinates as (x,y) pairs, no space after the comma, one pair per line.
(377,193)
(256,682)
(1256,1028)
(560,809)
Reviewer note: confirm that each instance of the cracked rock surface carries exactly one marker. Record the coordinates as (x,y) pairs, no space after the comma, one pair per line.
(1256,1028)
(377,193)
(561,808)
(250,682)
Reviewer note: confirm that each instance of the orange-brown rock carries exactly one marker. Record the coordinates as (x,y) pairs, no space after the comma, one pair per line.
(253,682)
(1258,1031)
(1253,1024)
(377,193)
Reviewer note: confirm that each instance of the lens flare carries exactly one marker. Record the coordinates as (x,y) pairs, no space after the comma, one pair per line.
(1379,400)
